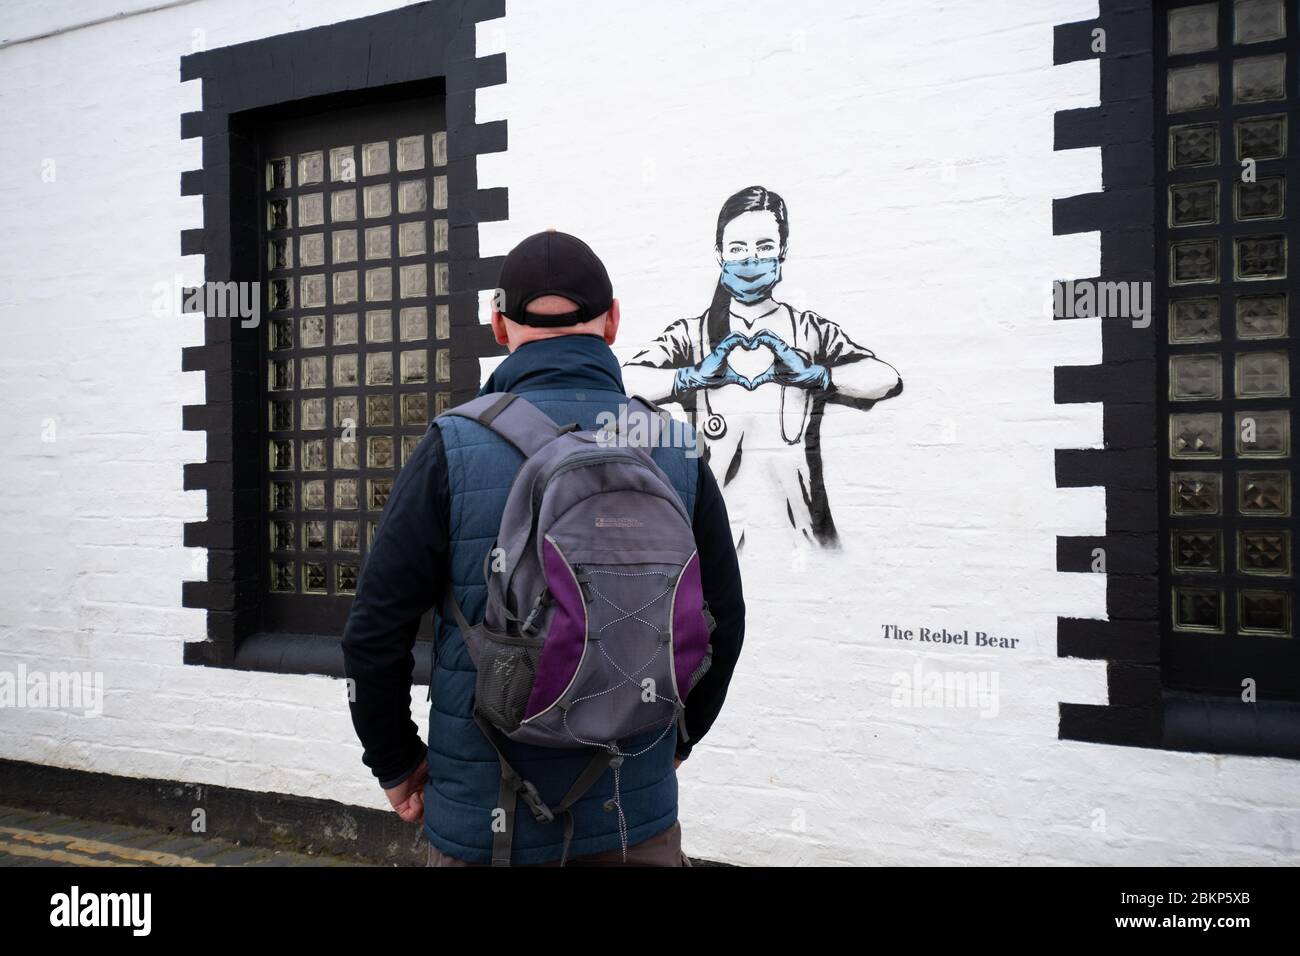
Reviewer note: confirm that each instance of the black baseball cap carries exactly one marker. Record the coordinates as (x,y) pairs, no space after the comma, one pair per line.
(554,263)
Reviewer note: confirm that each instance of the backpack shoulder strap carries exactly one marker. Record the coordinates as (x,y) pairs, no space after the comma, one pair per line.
(516,420)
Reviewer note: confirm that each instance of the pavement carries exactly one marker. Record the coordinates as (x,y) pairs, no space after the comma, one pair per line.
(35,838)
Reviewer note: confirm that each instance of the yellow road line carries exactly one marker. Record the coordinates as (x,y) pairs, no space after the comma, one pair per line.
(60,842)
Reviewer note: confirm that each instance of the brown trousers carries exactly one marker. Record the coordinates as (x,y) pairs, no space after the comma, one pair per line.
(664,849)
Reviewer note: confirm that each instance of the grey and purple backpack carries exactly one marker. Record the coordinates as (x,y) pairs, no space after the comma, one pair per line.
(595,629)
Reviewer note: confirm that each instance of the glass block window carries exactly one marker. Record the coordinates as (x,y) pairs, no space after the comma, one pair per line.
(1228,520)
(355,353)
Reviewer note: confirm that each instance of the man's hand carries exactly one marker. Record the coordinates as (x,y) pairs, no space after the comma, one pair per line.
(713,371)
(407,797)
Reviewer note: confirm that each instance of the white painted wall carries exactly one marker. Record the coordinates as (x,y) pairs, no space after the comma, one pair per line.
(913,143)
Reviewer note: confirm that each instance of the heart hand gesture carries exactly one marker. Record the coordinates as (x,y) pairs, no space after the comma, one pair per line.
(713,371)
(789,367)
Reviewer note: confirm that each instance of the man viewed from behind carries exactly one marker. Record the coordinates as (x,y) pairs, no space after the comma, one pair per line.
(519,767)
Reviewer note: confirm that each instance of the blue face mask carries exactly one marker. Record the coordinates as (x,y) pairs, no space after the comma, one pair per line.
(750,280)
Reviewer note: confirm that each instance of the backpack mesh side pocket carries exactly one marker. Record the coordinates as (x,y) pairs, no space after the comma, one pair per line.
(507,666)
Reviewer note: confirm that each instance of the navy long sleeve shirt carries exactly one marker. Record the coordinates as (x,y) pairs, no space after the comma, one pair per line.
(406,570)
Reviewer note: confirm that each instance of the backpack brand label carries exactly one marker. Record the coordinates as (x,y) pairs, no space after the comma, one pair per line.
(618,521)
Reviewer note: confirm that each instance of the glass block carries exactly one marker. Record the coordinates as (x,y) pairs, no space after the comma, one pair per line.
(441,278)
(280,374)
(1260,257)
(377,492)
(1193,29)
(1261,137)
(1192,87)
(1195,145)
(442,322)
(345,578)
(312,290)
(1198,609)
(279,295)
(1261,316)
(439,192)
(1255,21)
(314,579)
(345,370)
(1193,204)
(281,331)
(410,153)
(277,214)
(343,165)
(1195,492)
(415,323)
(278,254)
(442,366)
(346,412)
(411,238)
(1264,434)
(1193,320)
(282,576)
(1196,435)
(311,331)
(345,246)
(379,242)
(379,410)
(379,451)
(1195,378)
(313,414)
(345,329)
(412,196)
(415,367)
(409,444)
(311,168)
(282,454)
(374,159)
(1194,260)
(413,283)
(378,201)
(1263,199)
(440,235)
(1264,493)
(439,144)
(313,454)
(379,326)
(372,527)
(1258,79)
(282,535)
(313,495)
(1263,375)
(1264,612)
(1197,550)
(415,409)
(311,249)
(345,494)
(277,173)
(1264,552)
(313,535)
(379,285)
(347,536)
(441,402)
(313,372)
(311,209)
(343,205)
(281,415)
(346,457)
(345,287)
(282,496)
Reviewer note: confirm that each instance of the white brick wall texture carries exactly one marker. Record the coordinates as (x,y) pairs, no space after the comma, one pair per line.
(913,144)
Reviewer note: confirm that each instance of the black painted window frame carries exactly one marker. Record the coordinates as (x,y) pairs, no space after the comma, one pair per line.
(1144,707)
(425,46)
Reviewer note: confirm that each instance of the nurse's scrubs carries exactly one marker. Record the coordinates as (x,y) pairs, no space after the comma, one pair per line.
(767,457)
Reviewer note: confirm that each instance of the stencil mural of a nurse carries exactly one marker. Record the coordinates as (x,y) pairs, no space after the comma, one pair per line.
(755,376)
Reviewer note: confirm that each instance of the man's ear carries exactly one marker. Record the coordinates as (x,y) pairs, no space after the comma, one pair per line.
(611,322)
(499,328)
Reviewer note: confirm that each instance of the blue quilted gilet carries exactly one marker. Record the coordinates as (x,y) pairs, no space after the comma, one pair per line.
(464,773)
